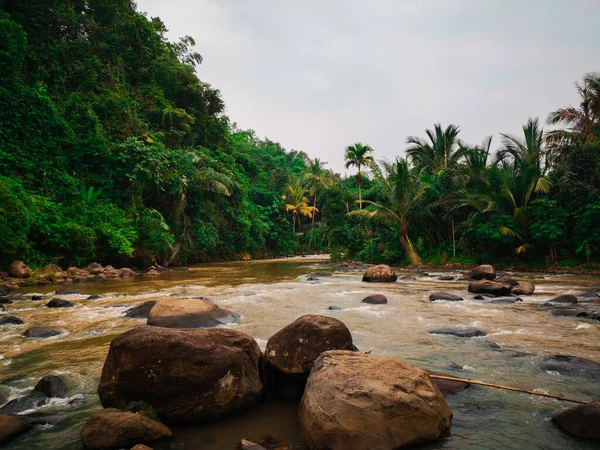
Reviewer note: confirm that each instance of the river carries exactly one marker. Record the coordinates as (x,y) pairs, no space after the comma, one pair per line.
(269,295)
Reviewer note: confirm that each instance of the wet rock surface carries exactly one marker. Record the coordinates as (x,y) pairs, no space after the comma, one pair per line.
(581,421)
(444,296)
(10,320)
(12,427)
(571,366)
(489,287)
(483,272)
(52,386)
(375,299)
(140,311)
(380,273)
(188,313)
(59,303)
(459,332)
(41,332)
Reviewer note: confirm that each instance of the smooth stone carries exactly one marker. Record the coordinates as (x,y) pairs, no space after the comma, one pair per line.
(459,332)
(449,388)
(375,299)
(489,287)
(581,421)
(41,332)
(140,311)
(491,345)
(321,274)
(10,320)
(571,366)
(483,296)
(524,288)
(407,278)
(52,386)
(484,271)
(588,295)
(505,300)
(11,427)
(562,299)
(569,312)
(37,297)
(188,313)
(334,308)
(33,400)
(68,292)
(95,297)
(59,303)
(446,278)
(507,280)
(444,296)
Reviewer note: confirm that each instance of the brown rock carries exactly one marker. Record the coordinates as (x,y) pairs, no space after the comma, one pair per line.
(173,312)
(581,421)
(187,375)
(375,299)
(294,349)
(51,272)
(489,287)
(359,401)
(126,272)
(524,288)
(484,271)
(153,272)
(112,428)
(95,268)
(141,447)
(76,272)
(11,427)
(18,269)
(380,273)
(563,300)
(110,272)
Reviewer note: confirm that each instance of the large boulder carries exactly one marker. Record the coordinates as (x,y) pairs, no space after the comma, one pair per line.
(51,272)
(571,366)
(95,268)
(565,299)
(141,311)
(59,303)
(188,313)
(524,288)
(126,272)
(41,332)
(375,299)
(10,320)
(77,273)
(444,296)
(483,272)
(292,351)
(359,401)
(489,287)
(52,386)
(110,272)
(18,269)
(112,428)
(380,273)
(581,421)
(11,426)
(186,375)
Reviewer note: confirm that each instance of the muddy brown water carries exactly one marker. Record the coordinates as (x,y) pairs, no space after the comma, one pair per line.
(269,295)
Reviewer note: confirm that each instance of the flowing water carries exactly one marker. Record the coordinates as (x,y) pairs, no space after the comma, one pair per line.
(269,295)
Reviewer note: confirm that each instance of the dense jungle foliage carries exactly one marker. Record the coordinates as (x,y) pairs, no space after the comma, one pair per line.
(112,149)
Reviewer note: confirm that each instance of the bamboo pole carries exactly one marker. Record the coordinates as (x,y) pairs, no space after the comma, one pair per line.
(507,388)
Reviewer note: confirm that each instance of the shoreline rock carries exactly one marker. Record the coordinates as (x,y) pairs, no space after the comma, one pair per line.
(381,273)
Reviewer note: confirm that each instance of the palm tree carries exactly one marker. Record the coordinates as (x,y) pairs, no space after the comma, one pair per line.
(582,122)
(402,190)
(297,204)
(316,178)
(441,151)
(357,155)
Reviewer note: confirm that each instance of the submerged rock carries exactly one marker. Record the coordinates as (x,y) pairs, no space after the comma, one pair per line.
(10,320)
(140,311)
(484,271)
(68,292)
(94,297)
(459,332)
(507,280)
(11,427)
(448,388)
(444,296)
(375,299)
(524,288)
(505,300)
(18,269)
(588,295)
(581,420)
(162,366)
(41,332)
(321,274)
(359,401)
(407,278)
(489,287)
(334,308)
(59,303)
(52,386)
(562,299)
(32,400)
(569,312)
(571,365)
(291,352)
(112,428)
(446,278)
(381,273)
(188,313)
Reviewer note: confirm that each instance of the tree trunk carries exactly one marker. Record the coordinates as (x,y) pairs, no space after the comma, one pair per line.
(411,253)
(453,240)
(359,182)
(313,220)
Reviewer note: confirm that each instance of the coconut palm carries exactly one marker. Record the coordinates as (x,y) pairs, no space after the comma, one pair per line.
(441,151)
(402,190)
(297,204)
(316,178)
(582,122)
(357,155)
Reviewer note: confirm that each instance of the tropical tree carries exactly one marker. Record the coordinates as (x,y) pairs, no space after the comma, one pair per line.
(582,122)
(358,155)
(316,178)
(297,204)
(441,151)
(402,191)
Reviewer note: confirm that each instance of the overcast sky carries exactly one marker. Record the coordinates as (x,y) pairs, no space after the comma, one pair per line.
(318,76)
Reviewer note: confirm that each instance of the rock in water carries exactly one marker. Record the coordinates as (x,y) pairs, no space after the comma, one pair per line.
(489,287)
(188,313)
(59,303)
(572,365)
(112,428)
(359,401)
(581,421)
(10,320)
(11,426)
(68,292)
(52,386)
(41,332)
(18,269)
(140,311)
(444,296)
(562,300)
(163,366)
(380,273)
(95,268)
(375,299)
(485,271)
(569,312)
(292,351)
(524,288)
(459,332)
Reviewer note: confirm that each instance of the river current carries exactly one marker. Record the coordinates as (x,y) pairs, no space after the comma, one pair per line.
(271,294)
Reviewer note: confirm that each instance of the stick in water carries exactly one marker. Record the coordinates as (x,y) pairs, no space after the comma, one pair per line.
(508,388)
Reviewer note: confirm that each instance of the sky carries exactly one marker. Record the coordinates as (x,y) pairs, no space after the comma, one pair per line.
(318,76)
